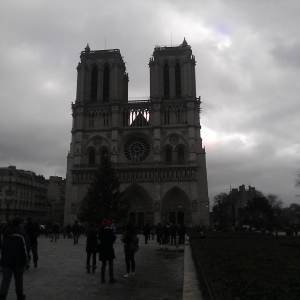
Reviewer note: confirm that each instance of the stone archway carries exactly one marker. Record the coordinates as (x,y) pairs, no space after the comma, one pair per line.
(176,207)
(141,205)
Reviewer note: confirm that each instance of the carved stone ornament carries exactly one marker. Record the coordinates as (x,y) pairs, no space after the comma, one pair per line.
(192,149)
(150,132)
(77,152)
(86,136)
(164,133)
(184,132)
(97,141)
(156,150)
(108,135)
(194,205)
(157,205)
(173,139)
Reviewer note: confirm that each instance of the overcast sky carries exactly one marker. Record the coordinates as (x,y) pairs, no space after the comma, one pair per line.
(248,71)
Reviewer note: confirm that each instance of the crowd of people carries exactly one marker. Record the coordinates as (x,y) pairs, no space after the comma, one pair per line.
(20,245)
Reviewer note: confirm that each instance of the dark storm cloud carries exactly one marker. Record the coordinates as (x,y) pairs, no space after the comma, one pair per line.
(247,75)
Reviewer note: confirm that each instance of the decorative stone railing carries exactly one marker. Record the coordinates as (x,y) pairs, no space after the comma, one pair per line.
(142,174)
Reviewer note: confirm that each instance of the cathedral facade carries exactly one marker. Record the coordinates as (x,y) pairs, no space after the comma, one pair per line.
(155,144)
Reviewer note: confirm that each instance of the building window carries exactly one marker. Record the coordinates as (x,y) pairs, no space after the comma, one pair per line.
(178,116)
(91,120)
(166,82)
(92,157)
(166,116)
(168,155)
(106,84)
(177,81)
(104,153)
(105,116)
(94,83)
(180,155)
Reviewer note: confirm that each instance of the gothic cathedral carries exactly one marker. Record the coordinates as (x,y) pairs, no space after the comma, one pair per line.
(155,144)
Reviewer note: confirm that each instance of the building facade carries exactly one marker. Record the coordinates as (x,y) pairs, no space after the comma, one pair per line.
(155,144)
(56,197)
(22,194)
(231,210)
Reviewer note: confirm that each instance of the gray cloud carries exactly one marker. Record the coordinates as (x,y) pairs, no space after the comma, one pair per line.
(247,74)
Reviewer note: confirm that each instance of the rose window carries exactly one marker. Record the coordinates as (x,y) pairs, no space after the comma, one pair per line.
(137,149)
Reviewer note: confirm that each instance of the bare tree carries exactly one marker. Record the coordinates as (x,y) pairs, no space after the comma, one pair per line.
(297,181)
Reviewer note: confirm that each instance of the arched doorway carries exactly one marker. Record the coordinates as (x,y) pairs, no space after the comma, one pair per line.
(141,205)
(176,217)
(176,207)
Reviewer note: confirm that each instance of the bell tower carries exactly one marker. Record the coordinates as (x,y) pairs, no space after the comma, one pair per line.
(172,73)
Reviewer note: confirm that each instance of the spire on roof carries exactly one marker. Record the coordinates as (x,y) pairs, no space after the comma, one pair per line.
(184,43)
(87,48)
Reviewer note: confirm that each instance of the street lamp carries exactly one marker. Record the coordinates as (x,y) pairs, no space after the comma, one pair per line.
(275,214)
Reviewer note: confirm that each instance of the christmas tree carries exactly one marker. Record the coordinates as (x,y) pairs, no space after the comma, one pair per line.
(104,198)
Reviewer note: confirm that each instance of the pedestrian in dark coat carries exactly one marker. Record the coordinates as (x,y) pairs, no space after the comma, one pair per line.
(146,232)
(14,257)
(173,233)
(69,228)
(91,246)
(127,239)
(181,233)
(76,232)
(55,232)
(166,234)
(33,231)
(159,233)
(106,238)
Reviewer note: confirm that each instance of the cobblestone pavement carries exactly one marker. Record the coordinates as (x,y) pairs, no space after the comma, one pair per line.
(61,273)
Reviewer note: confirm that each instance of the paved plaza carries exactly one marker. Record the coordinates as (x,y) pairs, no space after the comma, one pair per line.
(61,274)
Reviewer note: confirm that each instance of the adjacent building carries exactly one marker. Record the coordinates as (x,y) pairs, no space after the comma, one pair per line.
(155,144)
(231,211)
(22,194)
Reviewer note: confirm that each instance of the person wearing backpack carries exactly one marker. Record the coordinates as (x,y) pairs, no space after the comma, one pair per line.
(128,239)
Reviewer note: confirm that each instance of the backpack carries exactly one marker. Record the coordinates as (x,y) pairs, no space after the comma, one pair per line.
(134,245)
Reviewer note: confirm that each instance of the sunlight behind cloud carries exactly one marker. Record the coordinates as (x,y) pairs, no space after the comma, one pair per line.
(197,31)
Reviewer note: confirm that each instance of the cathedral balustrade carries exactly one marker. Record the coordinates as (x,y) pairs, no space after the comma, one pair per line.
(142,174)
(139,164)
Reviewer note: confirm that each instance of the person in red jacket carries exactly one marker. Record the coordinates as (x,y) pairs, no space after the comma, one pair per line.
(14,257)
(106,238)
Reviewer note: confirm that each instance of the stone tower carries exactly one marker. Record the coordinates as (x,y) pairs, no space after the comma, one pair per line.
(155,144)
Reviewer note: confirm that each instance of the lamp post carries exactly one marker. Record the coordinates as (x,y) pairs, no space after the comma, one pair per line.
(275,214)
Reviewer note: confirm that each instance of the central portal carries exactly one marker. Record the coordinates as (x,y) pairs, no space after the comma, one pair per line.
(141,207)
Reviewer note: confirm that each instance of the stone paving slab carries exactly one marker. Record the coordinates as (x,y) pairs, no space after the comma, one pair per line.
(61,273)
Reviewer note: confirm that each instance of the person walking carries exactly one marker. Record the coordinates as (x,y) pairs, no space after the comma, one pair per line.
(33,231)
(55,232)
(159,234)
(106,238)
(173,232)
(69,229)
(166,234)
(129,251)
(152,232)
(181,233)
(146,232)
(91,234)
(14,257)
(76,232)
